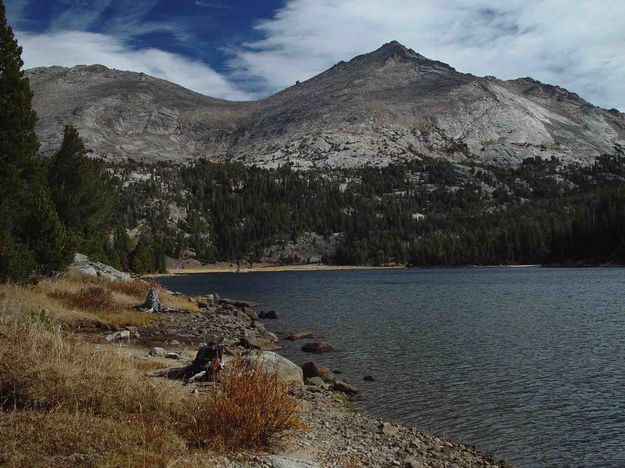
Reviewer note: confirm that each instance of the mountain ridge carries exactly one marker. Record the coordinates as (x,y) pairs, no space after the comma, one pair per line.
(389,105)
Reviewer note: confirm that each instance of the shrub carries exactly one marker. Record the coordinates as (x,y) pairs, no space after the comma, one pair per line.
(250,409)
(92,298)
(137,289)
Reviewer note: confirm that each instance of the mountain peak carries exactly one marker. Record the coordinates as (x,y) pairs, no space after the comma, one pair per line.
(398,50)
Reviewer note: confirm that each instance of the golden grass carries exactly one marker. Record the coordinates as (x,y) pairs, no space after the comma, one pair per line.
(92,298)
(138,289)
(250,409)
(85,301)
(67,402)
(60,439)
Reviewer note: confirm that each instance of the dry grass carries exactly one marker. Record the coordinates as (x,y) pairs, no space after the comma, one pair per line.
(67,402)
(250,409)
(94,298)
(85,301)
(138,289)
(60,439)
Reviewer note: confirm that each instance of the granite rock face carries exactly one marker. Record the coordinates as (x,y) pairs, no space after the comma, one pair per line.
(82,264)
(389,105)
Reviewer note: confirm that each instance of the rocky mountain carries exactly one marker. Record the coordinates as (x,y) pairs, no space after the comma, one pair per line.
(392,104)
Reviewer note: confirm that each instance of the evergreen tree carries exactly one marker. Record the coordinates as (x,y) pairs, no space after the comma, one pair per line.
(47,237)
(143,259)
(82,192)
(25,210)
(122,246)
(18,142)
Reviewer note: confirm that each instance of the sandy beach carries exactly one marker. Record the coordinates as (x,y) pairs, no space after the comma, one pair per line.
(228,267)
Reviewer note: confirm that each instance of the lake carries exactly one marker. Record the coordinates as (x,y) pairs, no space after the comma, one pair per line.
(523,363)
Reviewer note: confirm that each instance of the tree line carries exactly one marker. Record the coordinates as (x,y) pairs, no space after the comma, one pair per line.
(52,208)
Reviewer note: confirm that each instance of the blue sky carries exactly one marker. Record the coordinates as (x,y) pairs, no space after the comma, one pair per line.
(238,49)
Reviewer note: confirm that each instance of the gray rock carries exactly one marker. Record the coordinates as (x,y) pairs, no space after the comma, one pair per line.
(118,335)
(82,264)
(157,352)
(287,371)
(414,463)
(345,387)
(279,461)
(250,313)
(388,429)
(173,356)
(316,381)
(317,347)
(299,336)
(270,314)
(134,332)
(250,342)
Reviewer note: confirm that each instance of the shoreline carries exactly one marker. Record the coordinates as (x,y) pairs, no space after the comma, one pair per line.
(228,267)
(340,434)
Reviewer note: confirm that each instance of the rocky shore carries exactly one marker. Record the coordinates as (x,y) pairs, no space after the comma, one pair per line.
(338,436)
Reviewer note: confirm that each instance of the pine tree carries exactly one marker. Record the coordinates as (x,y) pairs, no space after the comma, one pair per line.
(82,192)
(18,142)
(122,246)
(143,259)
(24,205)
(47,237)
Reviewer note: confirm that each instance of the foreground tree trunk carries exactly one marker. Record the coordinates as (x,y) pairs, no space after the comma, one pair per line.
(151,303)
(206,366)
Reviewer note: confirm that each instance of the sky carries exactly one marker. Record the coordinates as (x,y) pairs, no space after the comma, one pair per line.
(237,49)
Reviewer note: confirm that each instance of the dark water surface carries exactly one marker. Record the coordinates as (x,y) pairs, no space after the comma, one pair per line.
(527,364)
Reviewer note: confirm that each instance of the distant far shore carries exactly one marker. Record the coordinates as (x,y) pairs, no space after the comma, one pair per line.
(229,267)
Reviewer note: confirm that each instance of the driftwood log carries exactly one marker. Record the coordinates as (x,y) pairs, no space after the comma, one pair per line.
(206,366)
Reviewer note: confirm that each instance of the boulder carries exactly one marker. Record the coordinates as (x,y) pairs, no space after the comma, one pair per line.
(344,387)
(118,335)
(312,369)
(134,331)
(82,264)
(157,352)
(388,429)
(270,314)
(287,371)
(250,313)
(173,356)
(235,302)
(368,378)
(279,461)
(316,381)
(317,347)
(299,336)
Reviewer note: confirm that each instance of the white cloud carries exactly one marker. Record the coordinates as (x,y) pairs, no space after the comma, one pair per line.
(577,44)
(69,48)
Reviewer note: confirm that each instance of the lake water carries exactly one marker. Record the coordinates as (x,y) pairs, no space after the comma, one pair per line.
(527,364)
